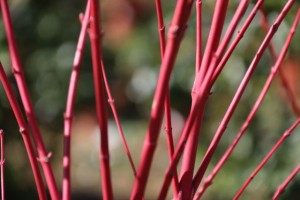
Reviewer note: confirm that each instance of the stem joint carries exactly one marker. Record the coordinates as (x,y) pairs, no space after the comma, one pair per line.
(17,71)
(45,159)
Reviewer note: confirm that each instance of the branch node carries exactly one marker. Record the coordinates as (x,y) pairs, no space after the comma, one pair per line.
(81,16)
(67,116)
(174,31)
(168,129)
(273,70)
(2,162)
(162,28)
(16,71)
(22,130)
(45,159)
(111,101)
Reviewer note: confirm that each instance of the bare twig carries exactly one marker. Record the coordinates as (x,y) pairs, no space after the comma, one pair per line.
(175,34)
(95,38)
(286,134)
(282,187)
(168,120)
(21,84)
(24,133)
(282,76)
(2,162)
(251,115)
(68,116)
(221,129)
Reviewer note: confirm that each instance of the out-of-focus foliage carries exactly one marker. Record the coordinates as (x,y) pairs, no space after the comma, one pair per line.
(47,32)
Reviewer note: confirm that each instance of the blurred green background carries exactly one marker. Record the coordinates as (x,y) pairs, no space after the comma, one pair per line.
(47,33)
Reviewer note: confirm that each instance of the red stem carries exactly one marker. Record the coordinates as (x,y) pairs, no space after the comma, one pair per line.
(25,134)
(265,160)
(221,129)
(240,11)
(283,78)
(2,162)
(282,187)
(213,39)
(189,156)
(115,114)
(198,34)
(161,27)
(204,87)
(169,133)
(190,148)
(100,100)
(17,69)
(168,123)
(197,107)
(68,116)
(236,40)
(251,115)
(175,159)
(176,31)
(27,104)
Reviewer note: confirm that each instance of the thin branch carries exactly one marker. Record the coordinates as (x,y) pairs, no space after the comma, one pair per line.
(221,129)
(198,86)
(273,72)
(286,182)
(236,40)
(27,104)
(161,27)
(24,133)
(239,13)
(168,120)
(213,39)
(68,116)
(286,134)
(175,34)
(2,163)
(190,152)
(198,34)
(111,102)
(95,38)
(282,76)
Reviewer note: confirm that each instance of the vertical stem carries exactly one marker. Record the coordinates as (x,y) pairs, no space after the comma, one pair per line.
(68,116)
(189,156)
(201,93)
(198,34)
(19,76)
(168,122)
(266,159)
(169,133)
(221,129)
(25,134)
(213,38)
(282,187)
(240,11)
(176,31)
(2,162)
(236,40)
(161,27)
(100,100)
(198,106)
